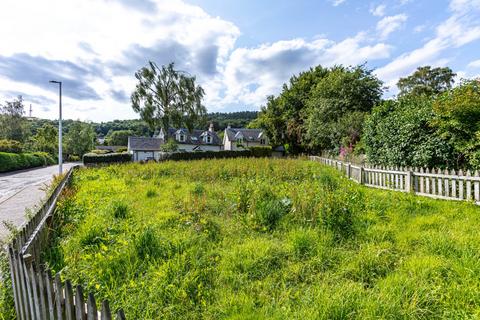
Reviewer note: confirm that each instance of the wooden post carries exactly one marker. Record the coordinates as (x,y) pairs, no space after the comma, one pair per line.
(477,186)
(461,182)
(361,181)
(106,314)
(79,304)
(469,186)
(349,170)
(91,308)
(408,181)
(58,296)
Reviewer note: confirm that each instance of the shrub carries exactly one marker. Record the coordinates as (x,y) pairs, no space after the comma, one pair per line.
(207,155)
(268,210)
(260,152)
(92,158)
(14,161)
(73,158)
(10,146)
(100,151)
(122,149)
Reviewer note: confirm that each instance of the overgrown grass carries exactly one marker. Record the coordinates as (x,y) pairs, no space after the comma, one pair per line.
(263,238)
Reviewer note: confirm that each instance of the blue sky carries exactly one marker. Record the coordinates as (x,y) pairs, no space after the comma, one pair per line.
(240,51)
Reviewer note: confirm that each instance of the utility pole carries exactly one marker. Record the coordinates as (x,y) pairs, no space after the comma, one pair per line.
(60,151)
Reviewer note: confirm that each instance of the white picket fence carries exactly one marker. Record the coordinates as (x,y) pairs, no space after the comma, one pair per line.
(433,183)
(37,294)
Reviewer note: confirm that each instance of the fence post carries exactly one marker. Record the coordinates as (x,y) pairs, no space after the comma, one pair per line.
(349,170)
(408,181)
(361,181)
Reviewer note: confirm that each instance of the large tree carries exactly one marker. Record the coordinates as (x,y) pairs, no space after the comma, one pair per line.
(79,139)
(337,106)
(45,140)
(426,81)
(12,121)
(167,97)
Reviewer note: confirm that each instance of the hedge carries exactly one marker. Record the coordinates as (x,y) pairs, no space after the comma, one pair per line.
(18,161)
(93,158)
(10,146)
(260,152)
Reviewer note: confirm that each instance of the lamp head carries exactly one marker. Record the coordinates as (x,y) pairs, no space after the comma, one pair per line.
(53,81)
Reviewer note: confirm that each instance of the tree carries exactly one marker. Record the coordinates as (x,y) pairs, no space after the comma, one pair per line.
(12,121)
(118,138)
(457,119)
(45,140)
(283,116)
(170,146)
(167,97)
(337,106)
(400,133)
(79,139)
(426,81)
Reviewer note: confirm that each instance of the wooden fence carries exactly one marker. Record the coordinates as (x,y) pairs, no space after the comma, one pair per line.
(433,183)
(36,293)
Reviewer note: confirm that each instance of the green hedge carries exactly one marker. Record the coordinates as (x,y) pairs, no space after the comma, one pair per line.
(260,152)
(207,155)
(10,146)
(17,161)
(93,158)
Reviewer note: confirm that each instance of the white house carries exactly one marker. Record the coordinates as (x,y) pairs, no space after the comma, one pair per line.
(195,140)
(145,148)
(240,139)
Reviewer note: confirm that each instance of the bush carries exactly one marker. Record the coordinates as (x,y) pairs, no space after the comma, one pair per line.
(73,158)
(100,151)
(14,161)
(207,155)
(10,146)
(122,149)
(92,158)
(260,152)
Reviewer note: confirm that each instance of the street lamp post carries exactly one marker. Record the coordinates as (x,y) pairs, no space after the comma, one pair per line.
(60,157)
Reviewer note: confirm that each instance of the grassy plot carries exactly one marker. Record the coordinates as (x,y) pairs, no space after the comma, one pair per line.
(263,238)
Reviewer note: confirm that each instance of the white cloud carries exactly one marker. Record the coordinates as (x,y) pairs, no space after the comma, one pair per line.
(474,64)
(253,73)
(458,30)
(119,38)
(336,3)
(390,24)
(379,11)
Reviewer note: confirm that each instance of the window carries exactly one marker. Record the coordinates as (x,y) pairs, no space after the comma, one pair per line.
(209,139)
(239,140)
(262,141)
(181,137)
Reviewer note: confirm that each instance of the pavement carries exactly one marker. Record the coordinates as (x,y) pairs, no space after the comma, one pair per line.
(22,190)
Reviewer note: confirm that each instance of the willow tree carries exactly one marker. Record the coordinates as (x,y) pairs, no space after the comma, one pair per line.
(167,97)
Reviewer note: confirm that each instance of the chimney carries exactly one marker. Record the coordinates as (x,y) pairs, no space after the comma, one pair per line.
(210,128)
(229,127)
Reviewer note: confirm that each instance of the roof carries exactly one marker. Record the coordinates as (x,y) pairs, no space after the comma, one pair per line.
(248,134)
(195,136)
(144,143)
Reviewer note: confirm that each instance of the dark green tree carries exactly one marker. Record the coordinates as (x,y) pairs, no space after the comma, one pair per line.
(45,140)
(12,122)
(79,139)
(167,97)
(337,106)
(400,133)
(457,119)
(426,81)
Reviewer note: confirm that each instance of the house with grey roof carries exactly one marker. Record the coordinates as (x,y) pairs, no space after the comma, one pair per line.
(195,140)
(146,148)
(240,138)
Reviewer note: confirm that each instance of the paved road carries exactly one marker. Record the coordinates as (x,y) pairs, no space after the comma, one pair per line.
(21,190)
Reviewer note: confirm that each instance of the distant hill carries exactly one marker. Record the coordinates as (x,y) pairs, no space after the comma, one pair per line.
(235,119)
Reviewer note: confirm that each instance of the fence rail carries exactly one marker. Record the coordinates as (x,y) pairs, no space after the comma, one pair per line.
(433,183)
(38,295)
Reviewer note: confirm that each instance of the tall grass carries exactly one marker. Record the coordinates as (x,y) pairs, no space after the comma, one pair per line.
(263,238)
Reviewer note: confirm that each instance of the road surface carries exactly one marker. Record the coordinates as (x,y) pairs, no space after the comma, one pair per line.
(22,190)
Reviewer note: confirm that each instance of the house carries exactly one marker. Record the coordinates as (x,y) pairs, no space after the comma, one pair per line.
(239,139)
(195,140)
(145,148)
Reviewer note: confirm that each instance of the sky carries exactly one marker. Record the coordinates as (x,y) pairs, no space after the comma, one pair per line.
(239,51)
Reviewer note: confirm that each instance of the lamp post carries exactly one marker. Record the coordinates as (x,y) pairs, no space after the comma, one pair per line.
(60,158)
